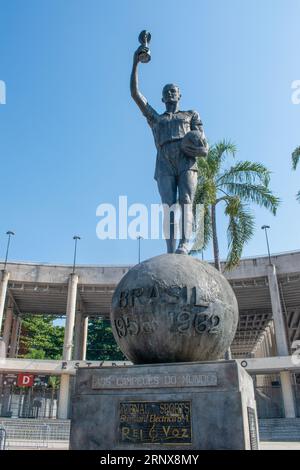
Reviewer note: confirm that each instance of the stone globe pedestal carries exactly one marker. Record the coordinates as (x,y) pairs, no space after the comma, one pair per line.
(174,317)
(174,308)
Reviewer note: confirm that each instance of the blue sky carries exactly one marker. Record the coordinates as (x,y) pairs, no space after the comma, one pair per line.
(72,138)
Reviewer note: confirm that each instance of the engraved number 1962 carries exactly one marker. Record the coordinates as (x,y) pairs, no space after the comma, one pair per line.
(185,321)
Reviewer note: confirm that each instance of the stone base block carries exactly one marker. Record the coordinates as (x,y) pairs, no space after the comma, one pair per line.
(180,406)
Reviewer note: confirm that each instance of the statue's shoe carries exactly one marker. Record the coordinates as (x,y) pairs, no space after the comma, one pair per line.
(182,249)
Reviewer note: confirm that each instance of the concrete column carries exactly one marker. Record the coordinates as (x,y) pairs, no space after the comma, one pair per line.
(70,317)
(80,337)
(264,348)
(268,342)
(64,390)
(14,337)
(281,342)
(228,355)
(287,394)
(278,318)
(63,399)
(84,337)
(3,290)
(272,330)
(7,328)
(77,336)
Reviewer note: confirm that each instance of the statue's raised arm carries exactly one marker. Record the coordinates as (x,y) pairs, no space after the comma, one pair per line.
(142,54)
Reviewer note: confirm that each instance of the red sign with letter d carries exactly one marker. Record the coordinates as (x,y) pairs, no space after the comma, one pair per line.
(25,380)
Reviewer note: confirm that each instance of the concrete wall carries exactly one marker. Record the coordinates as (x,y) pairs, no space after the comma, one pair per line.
(286,263)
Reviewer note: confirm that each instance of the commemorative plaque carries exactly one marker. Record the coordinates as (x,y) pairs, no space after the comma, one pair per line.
(180,406)
(155,422)
(119,380)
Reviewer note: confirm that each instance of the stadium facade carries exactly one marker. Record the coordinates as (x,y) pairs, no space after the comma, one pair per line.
(266,341)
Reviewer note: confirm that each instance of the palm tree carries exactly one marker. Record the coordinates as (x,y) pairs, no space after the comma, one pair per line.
(243,183)
(295,161)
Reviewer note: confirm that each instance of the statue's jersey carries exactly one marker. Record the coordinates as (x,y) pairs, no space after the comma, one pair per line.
(167,127)
(168,131)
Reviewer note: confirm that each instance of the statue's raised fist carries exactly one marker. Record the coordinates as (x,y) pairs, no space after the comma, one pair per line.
(142,54)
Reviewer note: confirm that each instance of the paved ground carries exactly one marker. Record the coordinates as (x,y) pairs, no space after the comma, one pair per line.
(280,445)
(52,445)
(64,445)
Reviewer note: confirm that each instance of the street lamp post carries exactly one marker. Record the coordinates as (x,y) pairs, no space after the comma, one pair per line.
(139,239)
(76,238)
(9,233)
(265,228)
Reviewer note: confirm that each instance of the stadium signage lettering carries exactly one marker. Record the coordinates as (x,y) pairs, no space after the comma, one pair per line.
(67,365)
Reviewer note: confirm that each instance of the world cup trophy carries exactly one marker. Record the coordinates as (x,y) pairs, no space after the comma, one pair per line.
(144,54)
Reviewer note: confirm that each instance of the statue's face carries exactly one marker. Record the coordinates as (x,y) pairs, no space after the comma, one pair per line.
(171,94)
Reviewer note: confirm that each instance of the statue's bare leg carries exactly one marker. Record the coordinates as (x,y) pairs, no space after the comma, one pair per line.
(187,184)
(167,186)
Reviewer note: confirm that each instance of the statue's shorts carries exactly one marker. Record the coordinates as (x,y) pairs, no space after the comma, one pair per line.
(175,173)
(172,161)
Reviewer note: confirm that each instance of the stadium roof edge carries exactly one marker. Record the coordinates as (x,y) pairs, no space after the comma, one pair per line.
(86,265)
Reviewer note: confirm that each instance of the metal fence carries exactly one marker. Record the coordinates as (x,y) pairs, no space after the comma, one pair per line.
(2,439)
(269,402)
(35,434)
(297,399)
(23,435)
(34,402)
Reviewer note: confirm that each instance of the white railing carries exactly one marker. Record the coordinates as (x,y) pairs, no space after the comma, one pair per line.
(20,435)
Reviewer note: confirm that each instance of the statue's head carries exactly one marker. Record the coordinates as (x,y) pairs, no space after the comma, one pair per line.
(171,93)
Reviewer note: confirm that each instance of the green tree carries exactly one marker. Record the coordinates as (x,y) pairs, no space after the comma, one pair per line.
(295,161)
(40,339)
(54,382)
(101,342)
(236,187)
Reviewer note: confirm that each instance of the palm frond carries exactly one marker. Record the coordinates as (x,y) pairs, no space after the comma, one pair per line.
(295,158)
(206,190)
(257,193)
(298,196)
(239,232)
(203,166)
(216,155)
(207,226)
(205,193)
(200,196)
(203,232)
(225,147)
(245,172)
(244,182)
(212,163)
